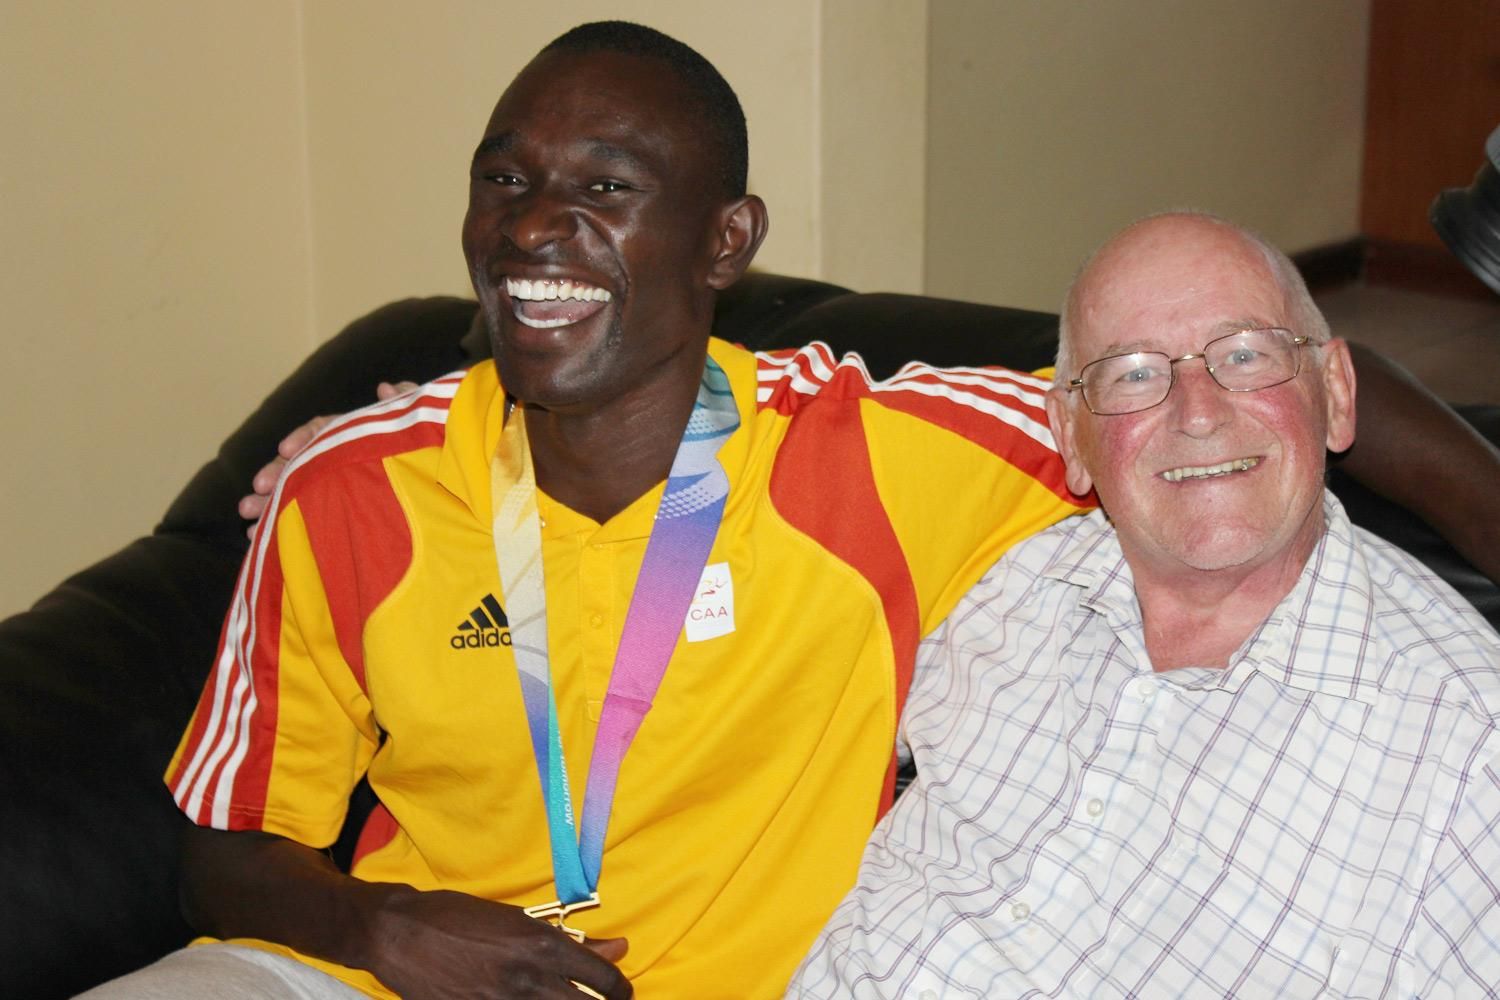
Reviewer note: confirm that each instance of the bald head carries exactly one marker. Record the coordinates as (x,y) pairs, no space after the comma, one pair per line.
(1165,254)
(1207,478)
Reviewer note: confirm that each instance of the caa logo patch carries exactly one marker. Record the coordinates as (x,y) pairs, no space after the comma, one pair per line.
(712,612)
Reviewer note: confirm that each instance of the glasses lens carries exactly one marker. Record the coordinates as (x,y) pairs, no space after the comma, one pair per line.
(1126,383)
(1252,359)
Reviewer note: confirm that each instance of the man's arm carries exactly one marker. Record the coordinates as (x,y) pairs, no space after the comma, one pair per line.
(1413,449)
(1408,441)
(307,740)
(419,944)
(253,504)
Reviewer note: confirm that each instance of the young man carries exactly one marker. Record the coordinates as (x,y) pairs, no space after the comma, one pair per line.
(624,565)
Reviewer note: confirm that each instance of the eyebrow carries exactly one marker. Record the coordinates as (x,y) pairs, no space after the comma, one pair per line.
(504,142)
(501,142)
(1223,328)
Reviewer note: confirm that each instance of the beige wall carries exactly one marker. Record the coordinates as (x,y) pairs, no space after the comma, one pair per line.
(193,195)
(1052,124)
(201,192)
(154,241)
(398,94)
(834,92)
(873,139)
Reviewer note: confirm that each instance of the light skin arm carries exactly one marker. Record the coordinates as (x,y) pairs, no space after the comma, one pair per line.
(253,504)
(1421,441)
(1414,450)
(422,945)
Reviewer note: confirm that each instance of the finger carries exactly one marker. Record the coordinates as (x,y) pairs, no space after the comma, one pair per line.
(389,390)
(251,507)
(264,481)
(589,966)
(609,949)
(298,439)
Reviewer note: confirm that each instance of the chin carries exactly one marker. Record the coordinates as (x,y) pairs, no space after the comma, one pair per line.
(1223,547)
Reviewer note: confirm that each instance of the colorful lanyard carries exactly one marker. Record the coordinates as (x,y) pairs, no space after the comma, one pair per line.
(687,519)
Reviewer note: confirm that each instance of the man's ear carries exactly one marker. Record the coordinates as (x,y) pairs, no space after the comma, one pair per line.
(1338,394)
(1065,432)
(741,225)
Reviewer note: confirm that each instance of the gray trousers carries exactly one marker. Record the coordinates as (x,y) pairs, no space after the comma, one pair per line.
(224,972)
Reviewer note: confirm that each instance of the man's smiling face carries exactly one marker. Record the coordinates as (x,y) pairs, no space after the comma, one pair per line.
(589,236)
(1208,479)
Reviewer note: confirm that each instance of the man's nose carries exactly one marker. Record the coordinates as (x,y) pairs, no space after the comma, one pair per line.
(539,218)
(1200,405)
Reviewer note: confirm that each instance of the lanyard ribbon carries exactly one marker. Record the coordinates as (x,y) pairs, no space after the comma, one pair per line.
(687,519)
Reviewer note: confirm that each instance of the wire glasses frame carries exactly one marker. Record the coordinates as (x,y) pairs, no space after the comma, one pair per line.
(1246,361)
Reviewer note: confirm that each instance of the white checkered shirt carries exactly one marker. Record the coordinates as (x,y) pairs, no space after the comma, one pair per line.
(1321,818)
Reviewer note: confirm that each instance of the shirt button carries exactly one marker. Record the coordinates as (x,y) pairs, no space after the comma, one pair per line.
(1095,807)
(1145,690)
(1020,911)
(596,620)
(597,546)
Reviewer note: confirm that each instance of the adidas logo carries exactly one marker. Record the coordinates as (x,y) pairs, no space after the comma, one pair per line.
(485,626)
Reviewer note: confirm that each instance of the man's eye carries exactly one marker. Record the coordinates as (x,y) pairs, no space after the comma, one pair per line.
(1242,356)
(607,187)
(1136,375)
(503,179)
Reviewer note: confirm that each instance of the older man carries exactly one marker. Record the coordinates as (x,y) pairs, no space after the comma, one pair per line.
(1210,740)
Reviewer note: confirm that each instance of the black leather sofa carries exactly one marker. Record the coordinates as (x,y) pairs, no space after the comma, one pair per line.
(98,679)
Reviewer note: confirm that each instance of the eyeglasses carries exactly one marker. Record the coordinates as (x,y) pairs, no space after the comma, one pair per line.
(1241,362)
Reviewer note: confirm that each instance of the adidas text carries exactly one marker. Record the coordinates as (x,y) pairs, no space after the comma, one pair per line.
(480,639)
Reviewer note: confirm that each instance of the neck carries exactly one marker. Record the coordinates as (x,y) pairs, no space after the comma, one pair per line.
(599,460)
(1198,618)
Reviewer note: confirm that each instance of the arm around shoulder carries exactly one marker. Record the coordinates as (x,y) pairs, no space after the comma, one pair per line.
(1412,448)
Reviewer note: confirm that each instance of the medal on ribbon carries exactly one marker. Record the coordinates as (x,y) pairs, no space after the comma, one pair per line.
(687,520)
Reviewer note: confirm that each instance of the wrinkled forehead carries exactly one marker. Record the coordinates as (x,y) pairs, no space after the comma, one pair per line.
(1173,288)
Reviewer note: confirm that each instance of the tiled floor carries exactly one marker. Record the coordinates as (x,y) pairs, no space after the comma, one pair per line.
(1451,344)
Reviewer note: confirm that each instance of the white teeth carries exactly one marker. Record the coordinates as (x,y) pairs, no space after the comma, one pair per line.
(542,324)
(1208,471)
(538,291)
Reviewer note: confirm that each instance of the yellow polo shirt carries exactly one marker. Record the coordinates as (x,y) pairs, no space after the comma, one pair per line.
(368,636)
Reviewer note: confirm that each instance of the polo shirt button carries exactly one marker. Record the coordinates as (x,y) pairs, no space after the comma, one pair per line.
(596,620)
(1020,911)
(1095,807)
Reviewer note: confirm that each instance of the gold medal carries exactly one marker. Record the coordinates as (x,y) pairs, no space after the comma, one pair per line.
(556,913)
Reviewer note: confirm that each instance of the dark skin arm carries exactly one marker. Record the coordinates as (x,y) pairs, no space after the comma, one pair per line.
(420,944)
(1414,450)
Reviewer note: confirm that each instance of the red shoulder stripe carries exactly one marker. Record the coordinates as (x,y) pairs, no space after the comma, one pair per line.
(824,455)
(223,771)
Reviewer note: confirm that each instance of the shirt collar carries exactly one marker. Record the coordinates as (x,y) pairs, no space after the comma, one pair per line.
(1311,640)
(1316,636)
(477,414)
